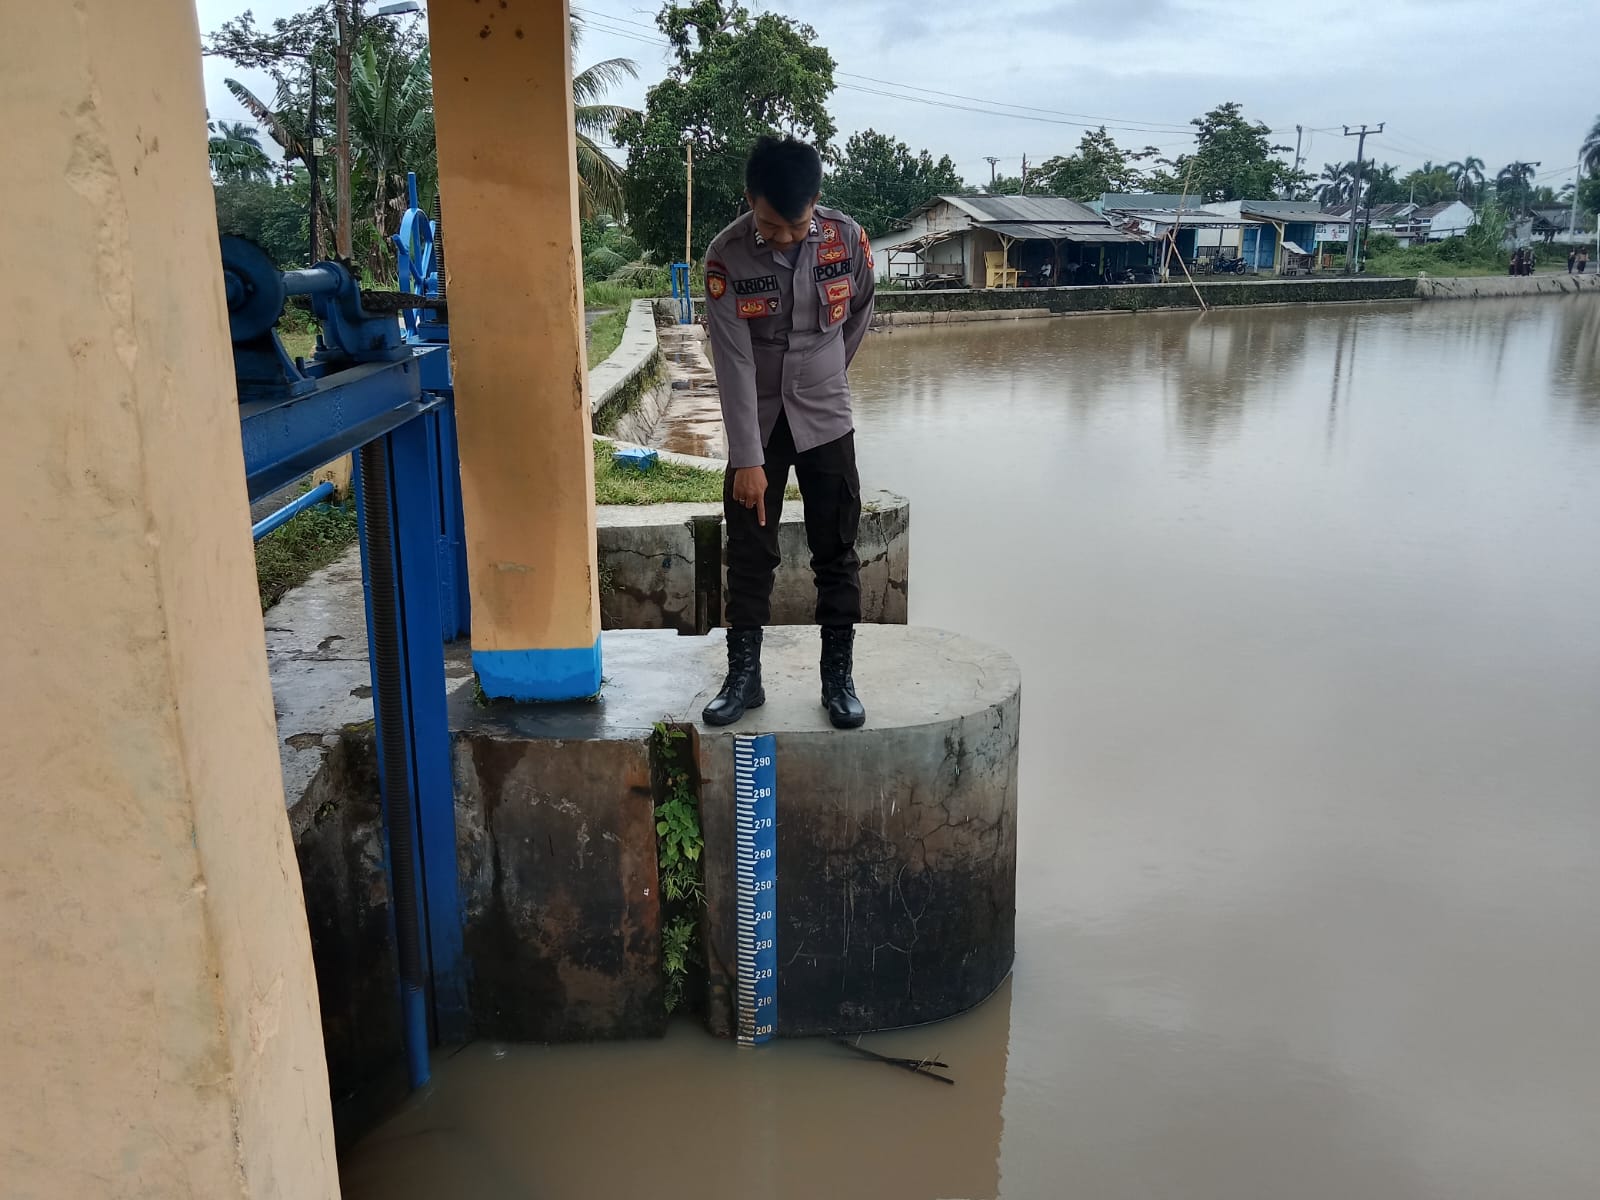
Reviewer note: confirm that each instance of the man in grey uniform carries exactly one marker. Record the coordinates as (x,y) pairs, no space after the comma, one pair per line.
(789,290)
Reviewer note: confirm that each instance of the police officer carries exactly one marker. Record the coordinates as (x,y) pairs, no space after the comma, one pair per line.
(789,290)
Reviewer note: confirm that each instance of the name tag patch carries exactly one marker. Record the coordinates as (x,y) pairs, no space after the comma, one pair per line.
(830,271)
(840,289)
(751,309)
(751,287)
(832,252)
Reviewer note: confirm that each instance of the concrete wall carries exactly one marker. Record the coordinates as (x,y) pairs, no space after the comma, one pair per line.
(159,1028)
(1552,281)
(1136,296)
(647,564)
(626,391)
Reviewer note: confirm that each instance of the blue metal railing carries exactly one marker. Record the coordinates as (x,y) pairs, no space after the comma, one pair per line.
(680,293)
(294,508)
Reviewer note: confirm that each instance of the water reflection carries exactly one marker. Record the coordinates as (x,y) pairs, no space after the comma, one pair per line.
(690,1118)
(1575,364)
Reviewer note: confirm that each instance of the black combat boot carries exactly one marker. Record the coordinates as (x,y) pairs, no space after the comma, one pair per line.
(741,690)
(838,689)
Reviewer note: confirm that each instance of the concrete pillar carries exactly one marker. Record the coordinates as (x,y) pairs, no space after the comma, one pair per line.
(508,184)
(159,1029)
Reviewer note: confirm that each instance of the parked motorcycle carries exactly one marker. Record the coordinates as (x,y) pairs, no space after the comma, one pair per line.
(1229,266)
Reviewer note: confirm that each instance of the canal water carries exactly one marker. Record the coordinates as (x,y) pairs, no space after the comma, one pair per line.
(1307,603)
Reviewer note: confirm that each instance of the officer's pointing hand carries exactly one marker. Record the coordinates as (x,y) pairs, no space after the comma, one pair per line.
(750,490)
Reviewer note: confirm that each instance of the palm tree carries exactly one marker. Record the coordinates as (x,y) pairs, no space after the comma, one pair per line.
(1589,152)
(236,153)
(1336,183)
(1468,176)
(599,178)
(1515,176)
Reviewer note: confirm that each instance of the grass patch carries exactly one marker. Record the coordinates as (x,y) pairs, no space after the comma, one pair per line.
(605,335)
(606,293)
(286,557)
(664,483)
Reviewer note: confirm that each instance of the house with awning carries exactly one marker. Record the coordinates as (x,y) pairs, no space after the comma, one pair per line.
(1006,241)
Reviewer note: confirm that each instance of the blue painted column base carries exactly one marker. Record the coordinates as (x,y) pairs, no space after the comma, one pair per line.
(539,675)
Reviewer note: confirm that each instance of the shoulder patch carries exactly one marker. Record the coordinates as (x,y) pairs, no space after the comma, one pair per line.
(716,284)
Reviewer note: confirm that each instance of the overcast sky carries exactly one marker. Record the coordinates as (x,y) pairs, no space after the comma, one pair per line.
(1448,78)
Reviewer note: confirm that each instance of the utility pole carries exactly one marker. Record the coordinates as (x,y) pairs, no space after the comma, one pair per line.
(1297,133)
(688,202)
(1024,174)
(314,162)
(1353,245)
(991,160)
(1577,182)
(341,119)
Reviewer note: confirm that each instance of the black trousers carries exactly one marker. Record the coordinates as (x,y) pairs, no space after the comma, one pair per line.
(831,492)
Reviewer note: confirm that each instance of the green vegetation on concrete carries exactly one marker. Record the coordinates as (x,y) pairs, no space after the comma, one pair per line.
(605,335)
(287,556)
(664,483)
(679,843)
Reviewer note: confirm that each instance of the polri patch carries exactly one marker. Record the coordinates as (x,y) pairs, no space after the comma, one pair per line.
(751,309)
(752,287)
(830,271)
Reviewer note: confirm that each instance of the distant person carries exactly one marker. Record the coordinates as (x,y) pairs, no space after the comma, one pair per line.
(1572,258)
(1516,262)
(1583,260)
(789,293)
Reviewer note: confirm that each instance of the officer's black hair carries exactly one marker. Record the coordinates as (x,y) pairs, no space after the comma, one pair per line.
(786,173)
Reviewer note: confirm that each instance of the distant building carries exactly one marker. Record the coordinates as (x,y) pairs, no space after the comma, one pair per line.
(1005,241)
(1413,223)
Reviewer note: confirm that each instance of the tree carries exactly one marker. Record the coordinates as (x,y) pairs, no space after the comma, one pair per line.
(736,77)
(236,153)
(1589,152)
(1233,158)
(1513,184)
(1468,176)
(273,215)
(599,179)
(1429,184)
(1004,185)
(877,180)
(1380,184)
(1337,183)
(391,129)
(1098,166)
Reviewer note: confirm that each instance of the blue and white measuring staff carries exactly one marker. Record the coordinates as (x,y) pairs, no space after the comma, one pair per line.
(755,813)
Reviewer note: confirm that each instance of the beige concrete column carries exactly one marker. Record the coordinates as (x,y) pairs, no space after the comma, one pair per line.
(158,1013)
(508,183)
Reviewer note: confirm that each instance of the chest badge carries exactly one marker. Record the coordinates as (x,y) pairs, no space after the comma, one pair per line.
(753,308)
(831,252)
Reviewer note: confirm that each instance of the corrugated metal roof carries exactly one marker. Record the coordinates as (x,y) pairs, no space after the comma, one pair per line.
(1059,231)
(1294,216)
(1025,208)
(1189,216)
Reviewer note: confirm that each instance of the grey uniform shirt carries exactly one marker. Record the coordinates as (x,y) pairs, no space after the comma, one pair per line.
(782,335)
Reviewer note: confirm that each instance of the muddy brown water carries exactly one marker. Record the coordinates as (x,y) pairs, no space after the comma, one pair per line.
(1307,603)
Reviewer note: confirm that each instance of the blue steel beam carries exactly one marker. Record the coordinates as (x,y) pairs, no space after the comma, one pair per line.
(286,438)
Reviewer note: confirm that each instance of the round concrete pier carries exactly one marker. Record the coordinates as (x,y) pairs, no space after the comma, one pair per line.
(896,842)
